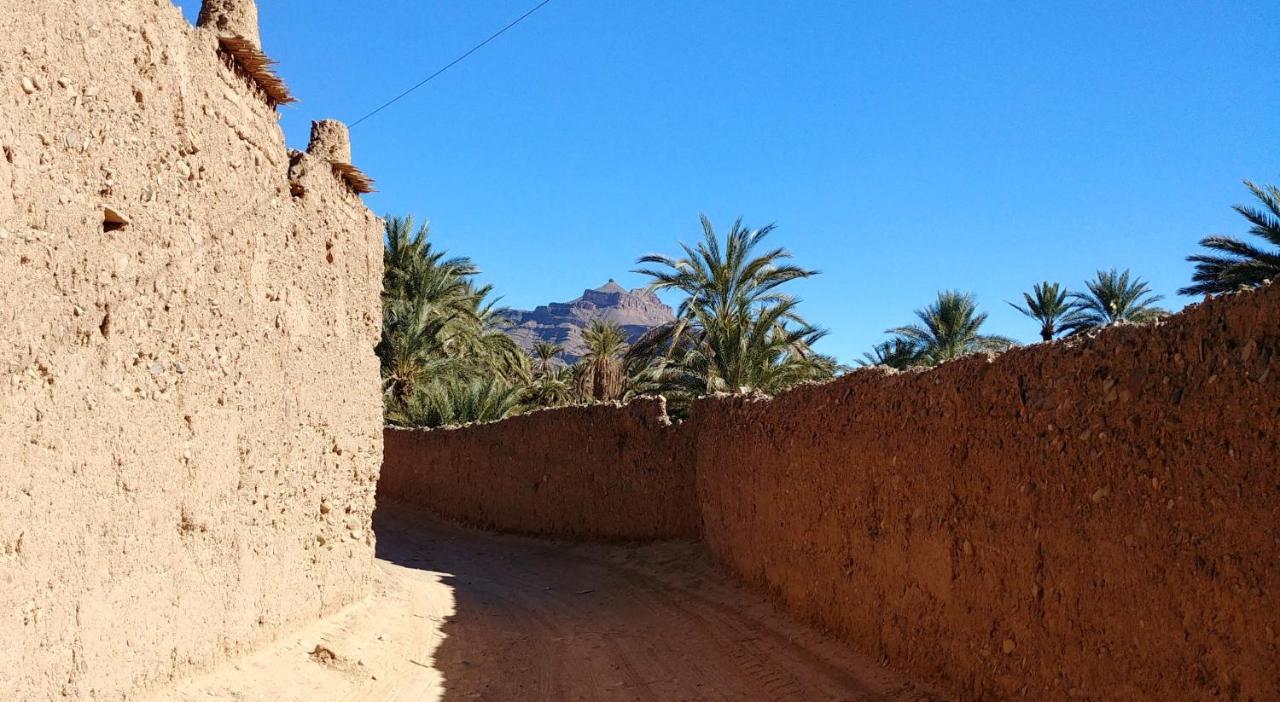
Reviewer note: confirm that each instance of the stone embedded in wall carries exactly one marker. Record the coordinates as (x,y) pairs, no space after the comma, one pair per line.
(113,219)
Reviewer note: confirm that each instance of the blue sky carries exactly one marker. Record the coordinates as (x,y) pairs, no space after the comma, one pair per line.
(902,148)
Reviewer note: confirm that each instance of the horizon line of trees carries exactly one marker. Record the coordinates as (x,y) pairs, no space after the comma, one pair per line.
(446,357)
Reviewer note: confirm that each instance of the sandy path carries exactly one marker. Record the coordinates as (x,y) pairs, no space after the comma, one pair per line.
(461,614)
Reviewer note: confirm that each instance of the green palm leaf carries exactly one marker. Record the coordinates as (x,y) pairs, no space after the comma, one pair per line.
(1114,297)
(1232,263)
(442,339)
(1051,305)
(949,328)
(735,331)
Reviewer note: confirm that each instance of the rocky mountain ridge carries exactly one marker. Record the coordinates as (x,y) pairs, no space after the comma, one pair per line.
(636,311)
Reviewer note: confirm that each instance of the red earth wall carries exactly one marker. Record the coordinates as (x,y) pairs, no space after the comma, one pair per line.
(1094,519)
(599,471)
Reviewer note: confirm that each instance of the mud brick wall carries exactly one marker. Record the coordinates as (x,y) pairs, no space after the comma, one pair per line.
(601,471)
(190,420)
(1097,519)
(1093,519)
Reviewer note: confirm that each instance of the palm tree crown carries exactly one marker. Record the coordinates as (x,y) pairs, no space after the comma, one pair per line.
(1051,306)
(1235,263)
(439,331)
(600,376)
(897,353)
(1112,298)
(604,339)
(550,386)
(457,400)
(950,328)
(728,280)
(735,331)
(545,353)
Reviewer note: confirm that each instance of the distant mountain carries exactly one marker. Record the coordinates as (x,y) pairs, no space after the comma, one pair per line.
(563,322)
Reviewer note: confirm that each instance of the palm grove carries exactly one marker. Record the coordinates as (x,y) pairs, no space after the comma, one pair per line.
(446,358)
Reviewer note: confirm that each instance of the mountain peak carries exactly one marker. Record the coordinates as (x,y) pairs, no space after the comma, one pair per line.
(611,287)
(563,322)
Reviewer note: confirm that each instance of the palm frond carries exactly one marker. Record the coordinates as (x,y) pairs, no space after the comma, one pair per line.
(443,339)
(949,328)
(898,352)
(1234,263)
(1049,304)
(734,330)
(1113,297)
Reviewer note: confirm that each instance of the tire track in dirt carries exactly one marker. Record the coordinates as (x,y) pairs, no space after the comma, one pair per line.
(458,614)
(665,620)
(538,619)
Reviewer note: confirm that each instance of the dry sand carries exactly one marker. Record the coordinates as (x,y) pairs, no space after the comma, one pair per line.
(463,614)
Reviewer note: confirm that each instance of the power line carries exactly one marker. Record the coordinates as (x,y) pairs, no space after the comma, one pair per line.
(452,63)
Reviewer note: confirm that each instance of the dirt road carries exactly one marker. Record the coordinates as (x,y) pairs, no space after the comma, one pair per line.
(463,615)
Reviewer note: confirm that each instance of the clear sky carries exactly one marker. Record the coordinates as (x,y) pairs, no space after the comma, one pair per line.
(901,147)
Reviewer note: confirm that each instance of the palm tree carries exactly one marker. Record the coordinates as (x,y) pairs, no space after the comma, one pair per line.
(1113,298)
(411,351)
(551,385)
(759,353)
(545,353)
(601,376)
(950,328)
(454,401)
(481,337)
(551,389)
(439,329)
(735,331)
(412,268)
(898,352)
(1051,306)
(1236,263)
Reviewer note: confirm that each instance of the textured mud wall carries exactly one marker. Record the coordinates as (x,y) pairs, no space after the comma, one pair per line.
(1093,520)
(190,427)
(1096,521)
(598,471)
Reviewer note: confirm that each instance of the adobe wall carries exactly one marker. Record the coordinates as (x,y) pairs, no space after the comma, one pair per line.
(596,471)
(1097,519)
(190,420)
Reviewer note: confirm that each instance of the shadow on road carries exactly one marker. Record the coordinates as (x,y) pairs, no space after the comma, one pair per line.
(543,620)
